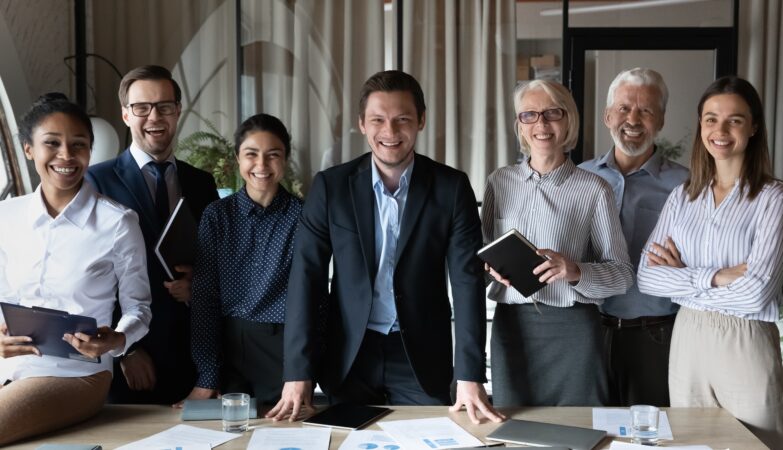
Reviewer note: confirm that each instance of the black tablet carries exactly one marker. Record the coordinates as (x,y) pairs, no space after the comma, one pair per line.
(347,416)
(47,327)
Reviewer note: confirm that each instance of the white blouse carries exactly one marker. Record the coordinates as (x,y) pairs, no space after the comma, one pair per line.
(76,262)
(711,238)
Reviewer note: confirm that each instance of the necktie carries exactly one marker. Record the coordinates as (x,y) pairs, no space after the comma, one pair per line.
(161,191)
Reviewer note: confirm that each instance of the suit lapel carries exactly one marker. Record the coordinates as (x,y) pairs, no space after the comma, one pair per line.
(130,175)
(421,179)
(363,209)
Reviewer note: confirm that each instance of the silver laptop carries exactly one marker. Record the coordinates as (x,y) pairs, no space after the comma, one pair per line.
(547,434)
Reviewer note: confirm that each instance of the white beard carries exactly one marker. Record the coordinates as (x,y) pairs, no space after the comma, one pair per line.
(630,149)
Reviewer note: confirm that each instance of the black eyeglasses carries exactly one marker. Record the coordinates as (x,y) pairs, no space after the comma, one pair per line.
(144,109)
(550,115)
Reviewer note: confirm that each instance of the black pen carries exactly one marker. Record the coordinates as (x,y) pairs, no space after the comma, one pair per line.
(493,444)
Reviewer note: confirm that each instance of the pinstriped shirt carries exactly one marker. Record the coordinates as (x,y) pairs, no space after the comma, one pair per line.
(711,238)
(570,211)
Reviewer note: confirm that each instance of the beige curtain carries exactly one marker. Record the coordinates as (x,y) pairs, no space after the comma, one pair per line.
(761,62)
(192,38)
(463,52)
(305,62)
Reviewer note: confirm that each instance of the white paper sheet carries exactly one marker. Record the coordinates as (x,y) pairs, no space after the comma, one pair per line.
(182,437)
(290,438)
(617,422)
(617,445)
(429,434)
(369,440)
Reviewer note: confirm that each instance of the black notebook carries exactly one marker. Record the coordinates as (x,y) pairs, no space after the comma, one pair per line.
(46,327)
(514,258)
(542,434)
(347,416)
(177,243)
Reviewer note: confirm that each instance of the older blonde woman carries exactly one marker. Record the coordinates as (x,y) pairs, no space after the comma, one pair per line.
(549,354)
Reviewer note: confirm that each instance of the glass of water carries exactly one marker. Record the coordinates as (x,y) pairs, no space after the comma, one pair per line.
(644,424)
(236,412)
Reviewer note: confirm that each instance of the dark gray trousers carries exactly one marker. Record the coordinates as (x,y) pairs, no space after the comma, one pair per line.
(382,374)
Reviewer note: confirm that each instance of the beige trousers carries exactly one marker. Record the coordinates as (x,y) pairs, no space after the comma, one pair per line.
(32,406)
(717,360)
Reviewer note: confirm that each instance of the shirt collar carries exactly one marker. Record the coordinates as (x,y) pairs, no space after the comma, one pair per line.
(77,211)
(556,177)
(651,166)
(404,178)
(142,158)
(247,206)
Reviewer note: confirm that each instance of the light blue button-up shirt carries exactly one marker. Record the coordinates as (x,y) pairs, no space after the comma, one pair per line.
(639,196)
(388,217)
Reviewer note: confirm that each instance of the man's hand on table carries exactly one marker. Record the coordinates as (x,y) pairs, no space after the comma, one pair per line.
(295,402)
(472,396)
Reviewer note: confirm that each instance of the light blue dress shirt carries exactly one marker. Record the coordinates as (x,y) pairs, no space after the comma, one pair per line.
(387,217)
(639,196)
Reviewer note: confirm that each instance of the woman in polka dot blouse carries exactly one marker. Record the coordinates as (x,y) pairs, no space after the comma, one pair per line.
(240,279)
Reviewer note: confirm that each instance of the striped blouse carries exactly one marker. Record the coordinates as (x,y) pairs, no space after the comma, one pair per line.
(570,211)
(710,238)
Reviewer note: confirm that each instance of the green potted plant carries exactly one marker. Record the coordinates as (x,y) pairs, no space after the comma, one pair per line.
(212,152)
(671,150)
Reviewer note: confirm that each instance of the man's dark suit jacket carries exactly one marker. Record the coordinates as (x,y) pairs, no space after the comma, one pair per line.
(168,341)
(440,229)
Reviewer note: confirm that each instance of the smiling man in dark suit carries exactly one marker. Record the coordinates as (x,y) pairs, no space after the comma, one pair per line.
(148,179)
(396,224)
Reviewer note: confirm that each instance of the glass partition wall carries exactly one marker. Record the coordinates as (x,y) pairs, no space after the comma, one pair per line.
(304,61)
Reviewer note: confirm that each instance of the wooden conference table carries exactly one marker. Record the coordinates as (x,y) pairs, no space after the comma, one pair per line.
(120,424)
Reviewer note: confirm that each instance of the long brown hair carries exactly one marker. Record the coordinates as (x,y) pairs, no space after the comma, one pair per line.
(756,167)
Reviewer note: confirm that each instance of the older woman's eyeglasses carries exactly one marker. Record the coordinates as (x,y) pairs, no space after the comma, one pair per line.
(144,109)
(550,115)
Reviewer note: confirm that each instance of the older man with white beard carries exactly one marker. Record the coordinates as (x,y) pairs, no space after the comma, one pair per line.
(637,326)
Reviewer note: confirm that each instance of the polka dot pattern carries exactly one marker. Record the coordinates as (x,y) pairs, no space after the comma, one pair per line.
(241,271)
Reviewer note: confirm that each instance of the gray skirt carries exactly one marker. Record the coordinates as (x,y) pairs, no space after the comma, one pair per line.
(549,359)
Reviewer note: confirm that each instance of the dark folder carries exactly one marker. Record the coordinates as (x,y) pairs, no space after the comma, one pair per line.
(542,434)
(46,327)
(514,258)
(177,243)
(347,416)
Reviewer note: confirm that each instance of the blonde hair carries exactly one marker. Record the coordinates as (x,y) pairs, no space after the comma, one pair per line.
(561,97)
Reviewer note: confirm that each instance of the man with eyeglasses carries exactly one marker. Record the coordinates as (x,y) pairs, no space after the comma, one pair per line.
(637,327)
(148,179)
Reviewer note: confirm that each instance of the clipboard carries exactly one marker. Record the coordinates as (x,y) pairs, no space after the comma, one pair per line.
(177,243)
(47,326)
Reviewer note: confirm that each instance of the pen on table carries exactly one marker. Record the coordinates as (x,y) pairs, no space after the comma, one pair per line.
(485,445)
(491,444)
